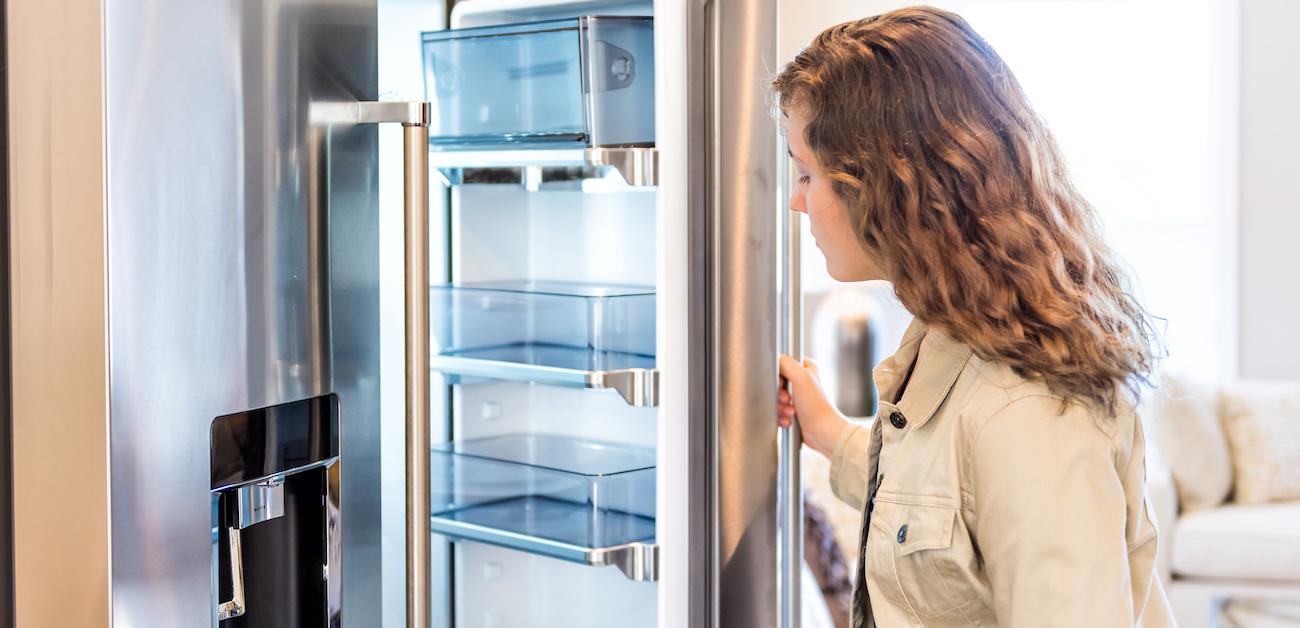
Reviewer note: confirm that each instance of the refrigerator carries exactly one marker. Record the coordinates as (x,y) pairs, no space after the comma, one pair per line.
(503,355)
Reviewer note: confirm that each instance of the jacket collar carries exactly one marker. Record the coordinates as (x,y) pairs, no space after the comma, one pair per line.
(932,378)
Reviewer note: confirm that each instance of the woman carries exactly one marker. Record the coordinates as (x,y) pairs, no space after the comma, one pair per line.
(1003,482)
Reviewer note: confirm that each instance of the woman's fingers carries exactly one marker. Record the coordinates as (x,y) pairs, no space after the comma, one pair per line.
(792,370)
(812,367)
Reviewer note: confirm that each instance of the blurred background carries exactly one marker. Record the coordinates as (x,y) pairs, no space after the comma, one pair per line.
(1178,122)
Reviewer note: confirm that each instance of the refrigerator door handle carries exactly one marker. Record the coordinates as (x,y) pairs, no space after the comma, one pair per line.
(789,493)
(414,118)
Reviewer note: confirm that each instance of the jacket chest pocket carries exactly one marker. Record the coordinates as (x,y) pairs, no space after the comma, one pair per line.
(921,558)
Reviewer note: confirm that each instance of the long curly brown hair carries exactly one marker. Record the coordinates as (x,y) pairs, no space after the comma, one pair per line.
(960,193)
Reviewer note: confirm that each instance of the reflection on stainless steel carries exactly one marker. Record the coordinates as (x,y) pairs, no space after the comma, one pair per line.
(637,166)
(333,547)
(242,271)
(416,200)
(260,501)
(731,116)
(790,440)
(637,561)
(639,387)
(235,606)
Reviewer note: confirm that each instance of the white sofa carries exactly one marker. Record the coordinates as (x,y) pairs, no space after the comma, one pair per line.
(1216,553)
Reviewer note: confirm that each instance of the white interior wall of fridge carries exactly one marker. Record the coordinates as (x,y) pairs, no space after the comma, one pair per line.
(505,232)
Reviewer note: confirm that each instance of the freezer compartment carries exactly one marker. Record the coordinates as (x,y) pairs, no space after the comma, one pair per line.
(577,500)
(581,82)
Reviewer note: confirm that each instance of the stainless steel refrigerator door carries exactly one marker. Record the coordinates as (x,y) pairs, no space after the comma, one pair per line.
(242,270)
(736,241)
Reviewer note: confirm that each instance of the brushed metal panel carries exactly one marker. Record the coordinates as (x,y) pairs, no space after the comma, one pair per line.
(739,198)
(243,271)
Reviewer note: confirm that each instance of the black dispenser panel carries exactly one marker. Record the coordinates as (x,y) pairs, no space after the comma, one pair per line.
(275,500)
(247,446)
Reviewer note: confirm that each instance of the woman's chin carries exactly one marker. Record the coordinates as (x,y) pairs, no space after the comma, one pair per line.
(855,275)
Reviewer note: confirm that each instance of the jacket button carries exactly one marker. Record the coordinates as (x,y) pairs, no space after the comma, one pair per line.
(897,419)
(902,533)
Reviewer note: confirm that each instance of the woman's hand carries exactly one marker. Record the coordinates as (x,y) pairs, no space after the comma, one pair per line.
(819,421)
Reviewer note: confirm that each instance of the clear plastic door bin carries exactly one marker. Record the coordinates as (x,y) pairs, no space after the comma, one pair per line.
(582,82)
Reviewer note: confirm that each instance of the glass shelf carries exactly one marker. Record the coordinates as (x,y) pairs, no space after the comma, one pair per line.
(637,166)
(556,333)
(577,500)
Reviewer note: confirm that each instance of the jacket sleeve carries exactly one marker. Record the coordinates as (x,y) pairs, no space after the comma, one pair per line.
(849,465)
(1050,515)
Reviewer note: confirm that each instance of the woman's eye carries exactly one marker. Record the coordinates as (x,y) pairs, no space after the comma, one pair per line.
(803,178)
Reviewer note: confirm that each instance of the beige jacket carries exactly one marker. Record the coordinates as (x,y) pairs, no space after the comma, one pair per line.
(990,506)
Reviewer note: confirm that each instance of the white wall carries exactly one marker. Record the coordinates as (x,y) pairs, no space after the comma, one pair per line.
(1257,293)
(1269,225)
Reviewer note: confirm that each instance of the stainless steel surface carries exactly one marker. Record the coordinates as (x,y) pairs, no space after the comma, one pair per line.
(333,543)
(234,607)
(261,501)
(638,167)
(699,272)
(410,113)
(638,387)
(242,271)
(637,561)
(740,170)
(790,440)
(414,118)
(419,593)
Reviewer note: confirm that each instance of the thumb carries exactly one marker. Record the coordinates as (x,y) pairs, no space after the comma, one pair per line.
(792,370)
(812,367)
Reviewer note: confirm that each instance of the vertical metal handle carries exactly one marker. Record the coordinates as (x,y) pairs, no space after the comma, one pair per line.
(414,116)
(789,495)
(234,607)
(419,591)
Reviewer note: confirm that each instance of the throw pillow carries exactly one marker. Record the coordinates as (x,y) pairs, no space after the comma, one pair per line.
(1184,418)
(1262,421)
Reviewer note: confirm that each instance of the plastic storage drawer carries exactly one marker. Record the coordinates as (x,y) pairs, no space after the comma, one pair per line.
(582,82)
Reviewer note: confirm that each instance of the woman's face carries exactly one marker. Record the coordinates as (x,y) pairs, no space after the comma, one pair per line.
(846,259)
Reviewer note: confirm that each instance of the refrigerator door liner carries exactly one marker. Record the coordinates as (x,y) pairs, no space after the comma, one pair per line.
(558,333)
(577,500)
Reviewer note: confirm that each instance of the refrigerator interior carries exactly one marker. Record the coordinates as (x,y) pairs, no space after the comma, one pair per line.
(596,233)
(505,232)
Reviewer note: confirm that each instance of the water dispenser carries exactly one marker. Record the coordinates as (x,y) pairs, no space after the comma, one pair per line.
(275,516)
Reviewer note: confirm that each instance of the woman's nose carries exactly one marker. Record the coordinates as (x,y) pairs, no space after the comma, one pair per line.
(797,204)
